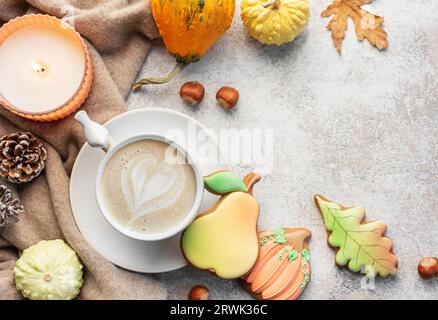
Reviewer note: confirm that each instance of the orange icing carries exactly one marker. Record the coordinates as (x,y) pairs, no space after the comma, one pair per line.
(265,253)
(275,276)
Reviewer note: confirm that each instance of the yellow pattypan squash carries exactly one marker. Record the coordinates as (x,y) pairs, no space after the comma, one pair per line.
(275,21)
(49,270)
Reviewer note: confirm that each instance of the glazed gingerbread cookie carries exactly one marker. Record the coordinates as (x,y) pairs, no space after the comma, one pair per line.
(282,270)
(223,239)
(359,246)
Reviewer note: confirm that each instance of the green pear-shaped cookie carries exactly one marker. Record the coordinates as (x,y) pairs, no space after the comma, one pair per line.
(224,239)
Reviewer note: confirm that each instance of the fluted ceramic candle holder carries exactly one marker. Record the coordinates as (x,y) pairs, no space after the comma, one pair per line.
(65,68)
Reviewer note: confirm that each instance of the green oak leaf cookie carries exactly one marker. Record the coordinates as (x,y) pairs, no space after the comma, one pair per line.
(359,244)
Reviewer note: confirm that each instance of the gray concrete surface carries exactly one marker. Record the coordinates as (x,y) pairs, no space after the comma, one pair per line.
(361,129)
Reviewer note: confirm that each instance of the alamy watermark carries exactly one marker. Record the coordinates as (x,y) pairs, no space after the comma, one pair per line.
(368,280)
(245,147)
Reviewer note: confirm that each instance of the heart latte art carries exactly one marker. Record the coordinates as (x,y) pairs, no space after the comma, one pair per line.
(146,192)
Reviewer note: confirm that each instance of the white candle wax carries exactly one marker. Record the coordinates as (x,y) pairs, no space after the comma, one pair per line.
(41,68)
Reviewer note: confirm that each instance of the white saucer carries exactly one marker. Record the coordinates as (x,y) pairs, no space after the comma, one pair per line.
(139,256)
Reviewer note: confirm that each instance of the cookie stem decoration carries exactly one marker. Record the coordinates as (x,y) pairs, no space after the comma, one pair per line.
(224,239)
(223,182)
(358,244)
(282,270)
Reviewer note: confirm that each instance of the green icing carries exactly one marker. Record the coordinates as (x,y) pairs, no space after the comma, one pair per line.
(266,239)
(306,254)
(280,236)
(293,255)
(282,252)
(306,272)
(305,282)
(224,182)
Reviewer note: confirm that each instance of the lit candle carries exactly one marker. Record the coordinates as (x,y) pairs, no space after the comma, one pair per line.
(45,69)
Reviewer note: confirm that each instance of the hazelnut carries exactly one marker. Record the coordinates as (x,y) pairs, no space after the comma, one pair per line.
(227,97)
(428,268)
(198,293)
(192,92)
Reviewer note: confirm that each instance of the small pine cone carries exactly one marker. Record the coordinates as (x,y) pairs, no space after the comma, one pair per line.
(22,157)
(10,208)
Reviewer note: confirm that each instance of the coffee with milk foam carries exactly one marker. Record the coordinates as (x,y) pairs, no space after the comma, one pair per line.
(144,191)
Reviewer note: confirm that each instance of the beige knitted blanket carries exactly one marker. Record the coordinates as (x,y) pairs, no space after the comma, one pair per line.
(117,32)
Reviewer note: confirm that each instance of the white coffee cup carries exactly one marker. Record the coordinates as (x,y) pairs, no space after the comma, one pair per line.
(98,136)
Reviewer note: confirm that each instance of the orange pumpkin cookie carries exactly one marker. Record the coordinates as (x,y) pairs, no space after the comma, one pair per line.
(282,270)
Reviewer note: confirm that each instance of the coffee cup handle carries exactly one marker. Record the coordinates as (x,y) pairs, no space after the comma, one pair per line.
(96,135)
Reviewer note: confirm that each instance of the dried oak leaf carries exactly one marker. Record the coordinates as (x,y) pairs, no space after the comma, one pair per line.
(367,25)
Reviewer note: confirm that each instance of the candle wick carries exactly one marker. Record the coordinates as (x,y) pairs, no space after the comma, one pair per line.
(38,68)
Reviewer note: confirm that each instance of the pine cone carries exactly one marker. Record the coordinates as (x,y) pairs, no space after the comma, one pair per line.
(22,157)
(10,208)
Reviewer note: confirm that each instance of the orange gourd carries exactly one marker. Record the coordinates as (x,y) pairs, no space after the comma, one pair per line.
(189,28)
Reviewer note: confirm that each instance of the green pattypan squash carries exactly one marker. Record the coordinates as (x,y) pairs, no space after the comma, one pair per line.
(49,270)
